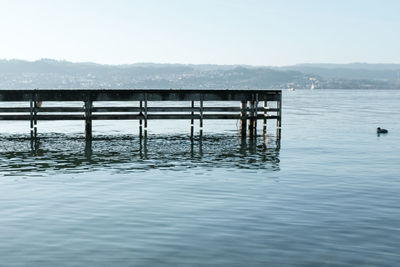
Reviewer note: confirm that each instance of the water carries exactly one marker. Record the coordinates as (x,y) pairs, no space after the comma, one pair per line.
(326,193)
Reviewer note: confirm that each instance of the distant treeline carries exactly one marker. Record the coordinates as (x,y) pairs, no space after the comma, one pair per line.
(48,73)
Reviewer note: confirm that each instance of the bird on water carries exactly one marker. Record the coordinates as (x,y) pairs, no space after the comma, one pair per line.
(381,131)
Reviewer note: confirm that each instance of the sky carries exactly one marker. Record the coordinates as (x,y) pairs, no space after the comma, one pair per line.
(253,32)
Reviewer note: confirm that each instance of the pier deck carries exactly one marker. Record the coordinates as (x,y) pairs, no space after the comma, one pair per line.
(138,108)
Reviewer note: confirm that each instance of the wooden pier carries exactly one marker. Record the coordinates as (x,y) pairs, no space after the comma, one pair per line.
(253,105)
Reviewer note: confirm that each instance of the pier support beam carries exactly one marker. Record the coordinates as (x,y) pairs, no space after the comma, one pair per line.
(201,116)
(243,120)
(279,113)
(35,119)
(251,119)
(192,121)
(145,115)
(278,138)
(265,118)
(31,117)
(141,121)
(255,116)
(88,119)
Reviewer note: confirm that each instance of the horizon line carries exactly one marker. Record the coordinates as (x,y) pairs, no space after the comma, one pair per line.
(188,64)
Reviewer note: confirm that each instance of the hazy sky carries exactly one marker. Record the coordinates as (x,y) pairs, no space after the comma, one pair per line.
(269,32)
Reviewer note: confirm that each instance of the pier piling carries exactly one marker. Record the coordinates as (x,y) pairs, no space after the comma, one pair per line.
(279,112)
(31,117)
(145,115)
(243,118)
(140,120)
(88,119)
(35,107)
(201,115)
(192,121)
(251,118)
(255,115)
(265,118)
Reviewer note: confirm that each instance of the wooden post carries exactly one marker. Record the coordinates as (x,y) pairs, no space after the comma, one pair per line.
(243,145)
(192,121)
(88,119)
(243,120)
(31,117)
(141,121)
(279,113)
(255,116)
(265,118)
(201,115)
(145,115)
(35,106)
(251,119)
(201,146)
(143,147)
(278,138)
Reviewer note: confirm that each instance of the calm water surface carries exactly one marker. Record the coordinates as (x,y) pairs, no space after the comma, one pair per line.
(326,194)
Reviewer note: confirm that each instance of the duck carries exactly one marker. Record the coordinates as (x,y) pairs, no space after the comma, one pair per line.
(381,131)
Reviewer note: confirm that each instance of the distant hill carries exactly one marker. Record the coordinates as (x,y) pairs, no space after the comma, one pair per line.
(48,73)
(354,71)
(357,66)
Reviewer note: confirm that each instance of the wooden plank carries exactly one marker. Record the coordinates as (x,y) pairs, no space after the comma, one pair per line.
(129,109)
(171,116)
(50,117)
(138,94)
(116,109)
(43,117)
(171,109)
(15,109)
(60,109)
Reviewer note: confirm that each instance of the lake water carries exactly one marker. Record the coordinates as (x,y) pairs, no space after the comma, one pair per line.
(326,194)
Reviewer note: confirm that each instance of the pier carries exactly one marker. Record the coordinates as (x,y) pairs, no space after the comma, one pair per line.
(202,104)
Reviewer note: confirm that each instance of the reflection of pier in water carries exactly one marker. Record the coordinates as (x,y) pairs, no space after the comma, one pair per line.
(130,154)
(250,145)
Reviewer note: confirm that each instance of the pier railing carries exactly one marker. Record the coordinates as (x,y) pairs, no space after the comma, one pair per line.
(137,100)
